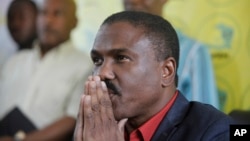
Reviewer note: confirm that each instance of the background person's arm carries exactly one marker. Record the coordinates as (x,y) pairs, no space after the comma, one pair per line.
(61,130)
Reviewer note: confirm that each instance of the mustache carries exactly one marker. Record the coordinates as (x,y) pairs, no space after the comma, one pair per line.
(112,87)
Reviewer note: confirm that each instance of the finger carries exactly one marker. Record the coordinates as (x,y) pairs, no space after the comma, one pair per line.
(100,97)
(94,99)
(86,88)
(95,103)
(78,134)
(88,117)
(98,87)
(105,102)
(99,90)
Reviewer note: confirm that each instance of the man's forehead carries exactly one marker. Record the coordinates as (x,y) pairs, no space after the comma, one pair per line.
(56,3)
(120,34)
(143,47)
(123,24)
(120,30)
(110,46)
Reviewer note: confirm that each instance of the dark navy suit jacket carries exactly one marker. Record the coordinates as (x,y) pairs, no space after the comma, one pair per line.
(193,121)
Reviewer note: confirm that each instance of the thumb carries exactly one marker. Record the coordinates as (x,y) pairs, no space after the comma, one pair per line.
(121,124)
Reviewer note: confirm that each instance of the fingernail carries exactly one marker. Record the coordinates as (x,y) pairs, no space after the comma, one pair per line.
(97,78)
(104,87)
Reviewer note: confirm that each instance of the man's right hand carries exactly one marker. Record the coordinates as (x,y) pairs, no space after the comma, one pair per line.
(96,120)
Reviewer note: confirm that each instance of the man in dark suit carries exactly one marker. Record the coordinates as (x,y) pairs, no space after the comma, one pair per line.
(132,94)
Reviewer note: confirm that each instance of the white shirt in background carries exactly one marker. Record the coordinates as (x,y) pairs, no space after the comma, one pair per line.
(44,89)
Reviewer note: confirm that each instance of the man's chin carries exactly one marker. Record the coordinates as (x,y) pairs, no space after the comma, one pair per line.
(48,43)
(119,116)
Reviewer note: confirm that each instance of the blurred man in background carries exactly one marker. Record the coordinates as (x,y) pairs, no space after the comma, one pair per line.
(21,22)
(43,85)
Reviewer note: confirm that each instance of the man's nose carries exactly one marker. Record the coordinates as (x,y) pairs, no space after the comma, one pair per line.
(105,71)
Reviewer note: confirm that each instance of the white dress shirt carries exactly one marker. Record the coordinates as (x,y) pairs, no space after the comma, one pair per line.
(44,89)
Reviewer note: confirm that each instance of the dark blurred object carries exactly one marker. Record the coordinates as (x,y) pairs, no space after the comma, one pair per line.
(14,122)
(242,116)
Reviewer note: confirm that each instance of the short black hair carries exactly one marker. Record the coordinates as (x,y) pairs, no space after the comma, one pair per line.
(14,2)
(157,29)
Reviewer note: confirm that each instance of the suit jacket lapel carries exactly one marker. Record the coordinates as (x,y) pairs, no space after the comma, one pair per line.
(172,119)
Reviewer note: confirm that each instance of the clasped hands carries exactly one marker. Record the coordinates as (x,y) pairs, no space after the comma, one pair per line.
(96,121)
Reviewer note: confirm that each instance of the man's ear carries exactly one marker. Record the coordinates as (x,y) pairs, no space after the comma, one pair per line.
(168,72)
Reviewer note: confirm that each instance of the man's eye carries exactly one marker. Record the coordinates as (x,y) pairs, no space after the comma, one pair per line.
(122,58)
(97,61)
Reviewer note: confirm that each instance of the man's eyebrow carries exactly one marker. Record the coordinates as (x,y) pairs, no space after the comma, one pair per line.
(94,52)
(112,51)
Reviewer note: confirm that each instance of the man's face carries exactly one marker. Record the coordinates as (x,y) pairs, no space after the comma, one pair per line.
(124,59)
(149,6)
(55,22)
(22,22)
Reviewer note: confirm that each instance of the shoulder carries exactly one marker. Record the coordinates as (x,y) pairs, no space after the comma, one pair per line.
(198,120)
(19,58)
(78,58)
(206,112)
(22,54)
(71,52)
(72,60)
(210,123)
(197,110)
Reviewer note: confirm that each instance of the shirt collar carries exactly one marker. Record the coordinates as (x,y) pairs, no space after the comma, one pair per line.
(61,47)
(147,130)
